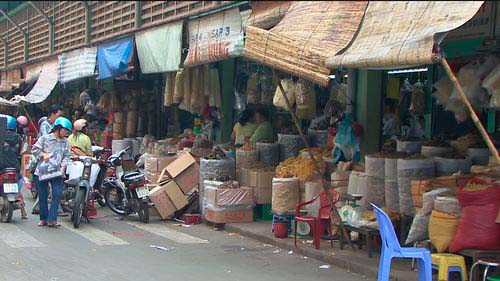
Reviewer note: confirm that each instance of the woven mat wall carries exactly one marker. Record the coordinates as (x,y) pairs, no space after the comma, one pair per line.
(309,32)
(402,33)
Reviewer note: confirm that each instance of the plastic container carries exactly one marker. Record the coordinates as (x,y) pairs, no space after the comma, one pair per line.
(280,230)
(191,218)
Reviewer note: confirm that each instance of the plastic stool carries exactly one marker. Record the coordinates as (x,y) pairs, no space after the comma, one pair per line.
(446,263)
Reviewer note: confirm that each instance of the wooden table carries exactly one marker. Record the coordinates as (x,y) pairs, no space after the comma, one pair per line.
(364,232)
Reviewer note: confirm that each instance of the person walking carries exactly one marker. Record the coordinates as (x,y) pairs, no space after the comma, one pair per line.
(79,139)
(53,153)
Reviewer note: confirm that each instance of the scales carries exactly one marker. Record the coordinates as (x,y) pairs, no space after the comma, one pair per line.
(350,206)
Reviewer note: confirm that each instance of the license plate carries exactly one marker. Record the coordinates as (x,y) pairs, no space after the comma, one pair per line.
(10,188)
(142,191)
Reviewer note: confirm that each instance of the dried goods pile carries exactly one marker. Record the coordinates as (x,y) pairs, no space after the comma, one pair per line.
(300,167)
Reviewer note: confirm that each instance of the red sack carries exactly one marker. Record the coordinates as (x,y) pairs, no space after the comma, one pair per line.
(477,229)
(491,195)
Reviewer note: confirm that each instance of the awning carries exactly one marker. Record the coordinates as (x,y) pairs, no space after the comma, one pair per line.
(215,37)
(32,71)
(45,84)
(308,33)
(266,14)
(159,49)
(77,64)
(396,34)
(114,57)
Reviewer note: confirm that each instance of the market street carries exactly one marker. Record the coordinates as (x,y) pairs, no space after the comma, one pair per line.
(110,249)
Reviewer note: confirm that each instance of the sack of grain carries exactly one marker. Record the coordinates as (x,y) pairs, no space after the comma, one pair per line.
(285,195)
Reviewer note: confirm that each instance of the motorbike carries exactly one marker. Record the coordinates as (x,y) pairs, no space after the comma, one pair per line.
(84,176)
(126,192)
(9,194)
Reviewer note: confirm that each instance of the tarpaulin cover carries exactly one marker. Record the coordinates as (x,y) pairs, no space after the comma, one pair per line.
(215,37)
(308,34)
(397,34)
(159,49)
(77,64)
(45,83)
(113,58)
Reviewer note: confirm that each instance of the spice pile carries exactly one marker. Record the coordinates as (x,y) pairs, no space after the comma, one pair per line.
(474,186)
(217,154)
(300,167)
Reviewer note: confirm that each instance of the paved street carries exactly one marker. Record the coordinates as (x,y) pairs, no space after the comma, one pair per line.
(110,249)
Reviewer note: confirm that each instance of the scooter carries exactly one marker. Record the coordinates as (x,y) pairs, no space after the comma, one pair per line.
(9,194)
(126,192)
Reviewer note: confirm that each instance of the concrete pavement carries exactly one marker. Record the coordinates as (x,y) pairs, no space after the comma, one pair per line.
(110,249)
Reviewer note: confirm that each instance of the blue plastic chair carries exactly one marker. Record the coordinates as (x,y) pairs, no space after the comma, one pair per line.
(392,249)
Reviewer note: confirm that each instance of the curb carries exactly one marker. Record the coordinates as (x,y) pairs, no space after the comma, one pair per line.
(352,265)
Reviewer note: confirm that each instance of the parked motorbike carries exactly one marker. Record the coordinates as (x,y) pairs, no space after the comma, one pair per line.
(9,194)
(126,192)
(84,175)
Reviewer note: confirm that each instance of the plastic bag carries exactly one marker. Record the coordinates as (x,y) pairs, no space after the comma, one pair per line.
(289,87)
(179,86)
(492,84)
(253,93)
(444,87)
(478,229)
(49,170)
(346,143)
(469,78)
(442,229)
(419,229)
(306,110)
(448,205)
(418,98)
(429,199)
(267,89)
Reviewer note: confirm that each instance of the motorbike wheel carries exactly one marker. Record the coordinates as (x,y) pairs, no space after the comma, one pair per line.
(7,210)
(114,199)
(99,199)
(76,216)
(143,211)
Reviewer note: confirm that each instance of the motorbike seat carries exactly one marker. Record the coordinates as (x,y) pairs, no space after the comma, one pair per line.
(132,176)
(74,181)
(9,170)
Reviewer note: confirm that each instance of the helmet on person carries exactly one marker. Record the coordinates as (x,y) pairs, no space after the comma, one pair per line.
(22,120)
(11,122)
(43,119)
(79,124)
(63,122)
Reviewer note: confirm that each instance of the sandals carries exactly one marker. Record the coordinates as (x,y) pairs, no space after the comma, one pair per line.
(54,225)
(42,223)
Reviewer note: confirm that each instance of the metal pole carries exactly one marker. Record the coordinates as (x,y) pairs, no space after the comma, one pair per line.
(473,114)
(315,163)
(88,28)
(26,47)
(51,26)
(26,40)
(138,15)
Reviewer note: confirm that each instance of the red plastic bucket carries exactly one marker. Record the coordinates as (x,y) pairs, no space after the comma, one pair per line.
(281,230)
(191,218)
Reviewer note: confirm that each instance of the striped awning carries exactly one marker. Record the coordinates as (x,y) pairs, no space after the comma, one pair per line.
(308,34)
(77,64)
(397,34)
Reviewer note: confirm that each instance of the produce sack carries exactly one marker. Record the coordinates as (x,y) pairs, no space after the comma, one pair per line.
(289,87)
(477,229)
(375,187)
(442,228)
(285,196)
(478,192)
(448,205)
(391,184)
(419,230)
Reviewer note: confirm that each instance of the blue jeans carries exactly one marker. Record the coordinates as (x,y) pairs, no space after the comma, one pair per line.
(47,215)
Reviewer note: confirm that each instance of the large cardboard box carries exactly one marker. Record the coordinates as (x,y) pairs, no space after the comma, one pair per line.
(256,178)
(230,215)
(154,165)
(163,205)
(263,195)
(185,171)
(176,195)
(218,197)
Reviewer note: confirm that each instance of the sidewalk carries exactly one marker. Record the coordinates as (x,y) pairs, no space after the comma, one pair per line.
(355,260)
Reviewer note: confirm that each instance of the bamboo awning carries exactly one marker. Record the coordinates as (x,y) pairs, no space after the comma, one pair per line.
(266,14)
(308,34)
(396,34)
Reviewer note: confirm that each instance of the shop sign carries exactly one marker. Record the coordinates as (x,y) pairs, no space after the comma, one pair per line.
(215,37)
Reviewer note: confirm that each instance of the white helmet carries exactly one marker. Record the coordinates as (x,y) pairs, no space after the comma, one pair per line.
(79,124)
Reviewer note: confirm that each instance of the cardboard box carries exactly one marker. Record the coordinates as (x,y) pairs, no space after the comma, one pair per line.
(163,205)
(265,179)
(252,178)
(217,197)
(263,195)
(230,215)
(243,177)
(175,194)
(185,171)
(256,178)
(154,165)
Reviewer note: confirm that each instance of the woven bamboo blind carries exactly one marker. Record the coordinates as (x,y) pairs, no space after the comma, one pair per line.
(305,37)
(266,14)
(69,25)
(111,18)
(397,34)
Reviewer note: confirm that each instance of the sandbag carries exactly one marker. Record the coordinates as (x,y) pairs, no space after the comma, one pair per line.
(431,151)
(447,167)
(442,229)
(448,205)
(268,153)
(391,184)
(245,159)
(429,199)
(375,172)
(419,229)
(477,229)
(319,138)
(285,196)
(409,146)
(408,170)
(479,156)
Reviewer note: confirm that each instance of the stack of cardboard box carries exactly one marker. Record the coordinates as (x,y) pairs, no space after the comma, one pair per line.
(228,205)
(171,195)
(261,181)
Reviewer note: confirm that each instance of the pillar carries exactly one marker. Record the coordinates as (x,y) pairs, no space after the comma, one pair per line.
(226,71)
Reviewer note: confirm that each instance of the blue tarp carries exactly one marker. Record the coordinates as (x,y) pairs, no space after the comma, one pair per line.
(113,57)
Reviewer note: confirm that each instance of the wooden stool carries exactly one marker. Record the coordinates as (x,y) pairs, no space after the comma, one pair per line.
(446,263)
